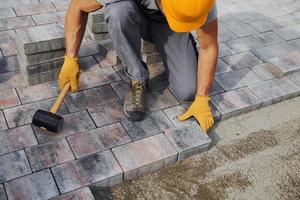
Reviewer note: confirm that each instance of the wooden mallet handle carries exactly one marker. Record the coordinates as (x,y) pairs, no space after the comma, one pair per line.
(60,98)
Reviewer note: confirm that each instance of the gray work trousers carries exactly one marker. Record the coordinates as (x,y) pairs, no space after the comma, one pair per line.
(128,24)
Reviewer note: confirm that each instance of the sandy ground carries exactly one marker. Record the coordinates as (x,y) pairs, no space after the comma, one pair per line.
(254,156)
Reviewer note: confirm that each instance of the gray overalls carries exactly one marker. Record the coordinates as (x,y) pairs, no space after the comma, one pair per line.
(131,20)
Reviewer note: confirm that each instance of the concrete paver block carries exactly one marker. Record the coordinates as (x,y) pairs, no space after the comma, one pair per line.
(8,98)
(2,193)
(289,32)
(145,155)
(97,140)
(236,102)
(244,44)
(222,67)
(3,125)
(16,22)
(34,9)
(38,185)
(81,194)
(49,154)
(7,13)
(16,139)
(96,17)
(101,167)
(107,114)
(160,99)
(154,123)
(121,88)
(188,140)
(13,165)
(263,72)
(242,60)
(49,18)
(275,90)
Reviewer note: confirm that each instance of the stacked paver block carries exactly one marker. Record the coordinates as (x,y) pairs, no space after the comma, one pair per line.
(97,26)
(40,52)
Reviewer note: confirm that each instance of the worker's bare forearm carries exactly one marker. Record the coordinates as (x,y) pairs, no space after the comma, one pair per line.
(75,24)
(208,57)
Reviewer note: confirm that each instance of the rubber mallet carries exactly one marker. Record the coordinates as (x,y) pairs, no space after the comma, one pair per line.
(50,121)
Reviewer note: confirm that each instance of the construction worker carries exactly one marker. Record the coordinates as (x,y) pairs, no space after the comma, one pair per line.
(166,23)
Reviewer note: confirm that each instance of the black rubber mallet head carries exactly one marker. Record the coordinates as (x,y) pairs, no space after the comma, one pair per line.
(50,121)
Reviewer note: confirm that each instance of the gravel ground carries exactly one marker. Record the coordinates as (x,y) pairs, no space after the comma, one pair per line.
(253,156)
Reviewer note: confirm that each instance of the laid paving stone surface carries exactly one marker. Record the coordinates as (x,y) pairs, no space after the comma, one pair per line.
(295,78)
(13,165)
(34,9)
(49,18)
(16,22)
(8,64)
(7,13)
(121,88)
(98,168)
(3,125)
(49,154)
(242,60)
(21,115)
(81,194)
(275,90)
(2,193)
(222,67)
(90,98)
(237,79)
(38,185)
(188,140)
(16,139)
(263,71)
(236,102)
(9,98)
(107,114)
(245,44)
(73,123)
(154,123)
(97,140)
(11,80)
(145,155)
(161,99)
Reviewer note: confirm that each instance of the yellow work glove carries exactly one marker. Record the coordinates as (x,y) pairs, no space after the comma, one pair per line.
(200,109)
(69,72)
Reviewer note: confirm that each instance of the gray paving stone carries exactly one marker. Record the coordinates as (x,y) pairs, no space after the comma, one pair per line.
(242,60)
(188,140)
(225,50)
(240,29)
(61,5)
(16,139)
(121,88)
(13,165)
(147,47)
(222,67)
(99,168)
(21,115)
(154,123)
(49,154)
(7,36)
(42,77)
(236,102)
(225,34)
(216,88)
(263,72)
(145,155)
(48,18)
(7,13)
(89,49)
(151,58)
(11,80)
(160,99)
(3,125)
(98,36)
(268,38)
(100,27)
(8,48)
(29,94)
(14,3)
(2,193)
(275,90)
(278,49)
(34,9)
(90,98)
(81,194)
(237,79)
(73,123)
(295,78)
(97,140)
(38,185)
(284,65)
(16,22)
(265,25)
(244,44)
(9,98)
(96,17)
(41,38)
(107,114)
(289,32)
(45,66)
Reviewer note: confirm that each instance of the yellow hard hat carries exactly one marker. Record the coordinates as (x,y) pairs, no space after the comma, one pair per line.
(186,15)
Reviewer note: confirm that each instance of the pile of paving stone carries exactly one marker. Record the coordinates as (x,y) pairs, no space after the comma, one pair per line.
(40,52)
(97,26)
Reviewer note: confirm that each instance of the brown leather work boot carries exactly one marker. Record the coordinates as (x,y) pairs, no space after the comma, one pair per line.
(135,101)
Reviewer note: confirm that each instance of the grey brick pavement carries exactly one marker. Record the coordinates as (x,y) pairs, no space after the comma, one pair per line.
(258,65)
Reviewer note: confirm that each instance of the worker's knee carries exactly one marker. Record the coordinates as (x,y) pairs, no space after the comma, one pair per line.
(184,92)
